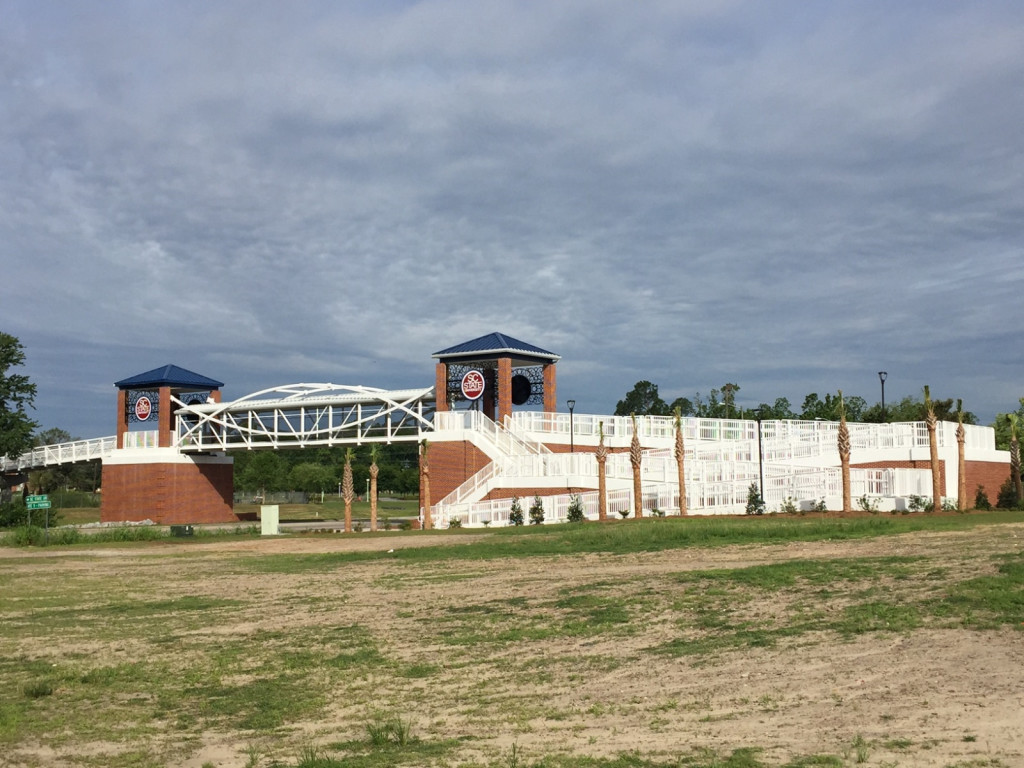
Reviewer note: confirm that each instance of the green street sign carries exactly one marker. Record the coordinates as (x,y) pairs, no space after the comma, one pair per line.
(30,499)
(38,504)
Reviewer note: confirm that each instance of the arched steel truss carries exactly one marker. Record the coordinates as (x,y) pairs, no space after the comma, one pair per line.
(300,415)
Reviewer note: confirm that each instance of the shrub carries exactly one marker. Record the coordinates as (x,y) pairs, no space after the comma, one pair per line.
(1007,495)
(655,512)
(575,512)
(915,503)
(788,507)
(515,517)
(755,504)
(981,499)
(455,522)
(13,514)
(868,504)
(537,511)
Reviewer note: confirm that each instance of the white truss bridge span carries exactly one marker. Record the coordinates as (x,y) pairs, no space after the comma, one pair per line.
(302,415)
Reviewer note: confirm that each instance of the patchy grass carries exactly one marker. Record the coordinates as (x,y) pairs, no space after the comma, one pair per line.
(449,654)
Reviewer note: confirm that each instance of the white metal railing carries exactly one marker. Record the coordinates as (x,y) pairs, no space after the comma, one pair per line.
(618,428)
(506,442)
(61,453)
(795,439)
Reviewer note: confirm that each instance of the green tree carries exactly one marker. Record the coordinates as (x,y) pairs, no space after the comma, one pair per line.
(17,394)
(264,471)
(643,399)
(780,410)
(311,477)
(830,409)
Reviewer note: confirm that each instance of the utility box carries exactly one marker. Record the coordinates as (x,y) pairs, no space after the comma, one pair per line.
(270,515)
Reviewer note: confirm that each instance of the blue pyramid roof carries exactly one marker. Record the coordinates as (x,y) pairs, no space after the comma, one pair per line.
(494,344)
(168,376)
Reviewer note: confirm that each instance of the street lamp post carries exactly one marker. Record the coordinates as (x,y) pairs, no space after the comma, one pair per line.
(572,431)
(882,376)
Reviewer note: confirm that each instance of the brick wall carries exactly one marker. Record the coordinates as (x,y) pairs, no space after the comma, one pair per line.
(990,475)
(168,494)
(451,464)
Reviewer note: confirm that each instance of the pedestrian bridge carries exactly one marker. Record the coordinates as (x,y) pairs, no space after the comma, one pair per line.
(289,416)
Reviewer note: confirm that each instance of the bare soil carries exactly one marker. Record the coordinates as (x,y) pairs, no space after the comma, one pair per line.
(932,696)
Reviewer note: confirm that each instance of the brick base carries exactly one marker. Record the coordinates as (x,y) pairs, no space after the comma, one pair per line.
(451,464)
(990,475)
(168,494)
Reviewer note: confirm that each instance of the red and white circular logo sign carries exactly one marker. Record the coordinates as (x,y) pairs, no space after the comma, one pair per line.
(473,385)
(143,408)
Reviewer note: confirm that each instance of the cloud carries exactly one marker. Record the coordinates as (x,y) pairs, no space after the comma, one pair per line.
(791,197)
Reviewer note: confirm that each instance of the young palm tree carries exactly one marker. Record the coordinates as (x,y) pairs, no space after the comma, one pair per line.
(428,521)
(844,454)
(1015,455)
(374,471)
(680,453)
(635,457)
(961,460)
(601,454)
(348,489)
(933,447)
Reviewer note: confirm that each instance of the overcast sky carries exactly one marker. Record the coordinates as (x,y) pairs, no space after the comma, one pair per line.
(790,196)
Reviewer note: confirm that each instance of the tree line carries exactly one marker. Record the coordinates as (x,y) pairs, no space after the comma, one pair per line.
(720,403)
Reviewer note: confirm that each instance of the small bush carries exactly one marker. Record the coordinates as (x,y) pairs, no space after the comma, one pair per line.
(915,503)
(537,511)
(455,522)
(515,517)
(868,504)
(1007,495)
(981,501)
(788,506)
(575,512)
(655,512)
(755,504)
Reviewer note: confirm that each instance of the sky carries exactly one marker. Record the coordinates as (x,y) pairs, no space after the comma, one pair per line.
(789,196)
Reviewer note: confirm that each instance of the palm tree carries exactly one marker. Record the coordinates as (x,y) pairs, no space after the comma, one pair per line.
(961,460)
(635,457)
(348,489)
(680,453)
(374,471)
(1015,455)
(601,454)
(428,522)
(844,454)
(933,447)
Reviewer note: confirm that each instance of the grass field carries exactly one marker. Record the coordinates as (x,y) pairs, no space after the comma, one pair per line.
(699,642)
(331,509)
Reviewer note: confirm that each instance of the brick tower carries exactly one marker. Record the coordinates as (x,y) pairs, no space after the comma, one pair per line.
(147,477)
